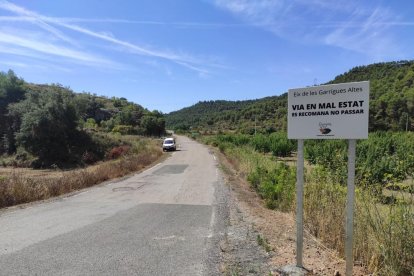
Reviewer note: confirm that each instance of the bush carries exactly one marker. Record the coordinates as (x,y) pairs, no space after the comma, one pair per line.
(276,143)
(48,126)
(123,129)
(261,143)
(89,158)
(117,152)
(235,139)
(281,145)
(385,157)
(382,159)
(195,135)
(276,186)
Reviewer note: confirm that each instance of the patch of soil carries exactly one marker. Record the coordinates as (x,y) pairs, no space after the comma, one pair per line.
(278,229)
(242,254)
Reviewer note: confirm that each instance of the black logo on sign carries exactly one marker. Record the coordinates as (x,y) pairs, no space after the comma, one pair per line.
(324,128)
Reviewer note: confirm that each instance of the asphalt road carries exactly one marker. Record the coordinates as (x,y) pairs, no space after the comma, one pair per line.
(167,220)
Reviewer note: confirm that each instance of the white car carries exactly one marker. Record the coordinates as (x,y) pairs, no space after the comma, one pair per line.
(169,144)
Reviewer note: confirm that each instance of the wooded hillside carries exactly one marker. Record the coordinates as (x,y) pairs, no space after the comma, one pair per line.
(54,125)
(391,104)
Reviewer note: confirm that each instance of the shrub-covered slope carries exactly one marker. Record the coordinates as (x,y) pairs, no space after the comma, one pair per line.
(51,124)
(391,104)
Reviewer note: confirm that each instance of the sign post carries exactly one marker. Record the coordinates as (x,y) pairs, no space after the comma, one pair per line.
(350,196)
(299,205)
(337,111)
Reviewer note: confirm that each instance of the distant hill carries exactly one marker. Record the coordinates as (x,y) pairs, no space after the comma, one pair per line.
(266,113)
(391,104)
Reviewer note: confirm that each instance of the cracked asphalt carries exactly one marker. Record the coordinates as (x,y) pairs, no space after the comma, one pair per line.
(168,220)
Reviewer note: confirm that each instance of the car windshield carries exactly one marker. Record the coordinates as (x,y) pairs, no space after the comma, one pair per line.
(168,142)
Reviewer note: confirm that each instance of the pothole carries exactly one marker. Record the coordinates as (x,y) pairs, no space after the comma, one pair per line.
(123,189)
(171,169)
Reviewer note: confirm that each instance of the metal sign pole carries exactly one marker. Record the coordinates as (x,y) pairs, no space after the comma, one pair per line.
(299,205)
(350,197)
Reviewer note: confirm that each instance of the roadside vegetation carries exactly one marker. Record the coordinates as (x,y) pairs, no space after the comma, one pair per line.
(252,136)
(384,240)
(80,139)
(50,125)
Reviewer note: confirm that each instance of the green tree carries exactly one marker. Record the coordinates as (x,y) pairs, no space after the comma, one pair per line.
(48,125)
(130,115)
(87,106)
(11,91)
(90,123)
(153,124)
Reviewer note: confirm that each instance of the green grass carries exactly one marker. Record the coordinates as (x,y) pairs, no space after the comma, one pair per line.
(263,242)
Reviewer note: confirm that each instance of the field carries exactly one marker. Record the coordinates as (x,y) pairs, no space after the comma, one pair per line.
(23,185)
(384,216)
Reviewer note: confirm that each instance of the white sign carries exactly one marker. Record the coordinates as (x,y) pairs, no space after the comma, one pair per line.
(337,111)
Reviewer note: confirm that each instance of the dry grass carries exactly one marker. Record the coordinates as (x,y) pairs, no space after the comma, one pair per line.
(23,186)
(383,236)
(324,207)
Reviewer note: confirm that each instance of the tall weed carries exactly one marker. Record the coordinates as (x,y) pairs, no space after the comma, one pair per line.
(388,229)
(383,236)
(324,208)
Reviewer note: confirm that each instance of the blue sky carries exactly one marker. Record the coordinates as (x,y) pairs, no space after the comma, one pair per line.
(169,54)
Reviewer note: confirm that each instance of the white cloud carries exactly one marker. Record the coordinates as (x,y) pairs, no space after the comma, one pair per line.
(47,22)
(14,63)
(33,17)
(346,24)
(265,13)
(28,44)
(263,9)
(366,33)
(124,21)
